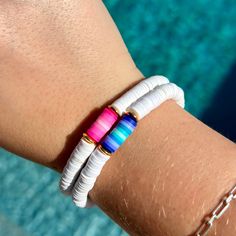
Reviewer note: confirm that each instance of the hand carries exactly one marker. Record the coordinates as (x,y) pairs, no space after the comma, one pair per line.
(60,60)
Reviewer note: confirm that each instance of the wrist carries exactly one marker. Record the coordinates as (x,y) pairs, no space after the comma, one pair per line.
(108,87)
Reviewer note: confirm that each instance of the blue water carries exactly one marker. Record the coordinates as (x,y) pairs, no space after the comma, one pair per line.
(191,42)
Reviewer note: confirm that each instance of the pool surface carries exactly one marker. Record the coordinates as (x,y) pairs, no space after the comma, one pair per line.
(191,42)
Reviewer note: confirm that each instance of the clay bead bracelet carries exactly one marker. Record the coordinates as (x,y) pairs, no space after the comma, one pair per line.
(100,127)
(118,135)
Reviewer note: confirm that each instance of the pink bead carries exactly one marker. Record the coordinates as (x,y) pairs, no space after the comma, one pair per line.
(102,124)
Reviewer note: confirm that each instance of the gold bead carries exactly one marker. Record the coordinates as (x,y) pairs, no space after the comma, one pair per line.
(104,151)
(87,139)
(114,109)
(133,113)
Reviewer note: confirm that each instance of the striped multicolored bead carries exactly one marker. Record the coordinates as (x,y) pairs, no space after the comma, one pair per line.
(102,124)
(120,133)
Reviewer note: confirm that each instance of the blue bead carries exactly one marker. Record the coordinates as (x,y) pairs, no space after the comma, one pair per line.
(120,133)
(124,129)
(117,138)
(130,119)
(109,144)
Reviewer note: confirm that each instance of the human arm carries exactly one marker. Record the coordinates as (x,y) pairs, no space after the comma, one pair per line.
(58,69)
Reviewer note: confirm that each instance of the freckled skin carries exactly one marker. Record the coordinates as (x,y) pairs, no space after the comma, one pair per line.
(60,61)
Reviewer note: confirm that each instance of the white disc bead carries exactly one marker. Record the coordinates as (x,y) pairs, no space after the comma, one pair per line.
(138,91)
(88,178)
(74,165)
(155,98)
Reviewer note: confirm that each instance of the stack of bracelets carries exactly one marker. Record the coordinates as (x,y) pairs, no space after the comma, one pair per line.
(109,131)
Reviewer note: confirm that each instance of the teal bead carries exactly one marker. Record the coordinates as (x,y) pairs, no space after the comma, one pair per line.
(120,133)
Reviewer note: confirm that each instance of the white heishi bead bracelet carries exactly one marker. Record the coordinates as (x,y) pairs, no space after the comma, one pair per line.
(100,127)
(118,135)
(155,98)
(138,91)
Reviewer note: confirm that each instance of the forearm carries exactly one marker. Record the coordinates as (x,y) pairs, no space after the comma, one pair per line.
(165,178)
(168,176)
